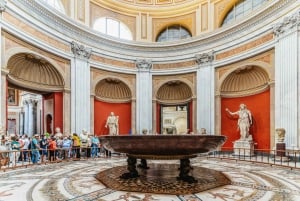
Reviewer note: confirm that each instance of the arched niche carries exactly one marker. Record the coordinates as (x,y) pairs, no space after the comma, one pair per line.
(174,115)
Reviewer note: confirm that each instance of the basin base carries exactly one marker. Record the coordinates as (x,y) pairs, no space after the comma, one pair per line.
(162,179)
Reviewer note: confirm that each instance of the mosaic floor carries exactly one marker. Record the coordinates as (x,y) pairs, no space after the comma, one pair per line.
(75,181)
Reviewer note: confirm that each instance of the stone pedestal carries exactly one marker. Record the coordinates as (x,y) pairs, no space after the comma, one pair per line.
(280,149)
(280,152)
(243,148)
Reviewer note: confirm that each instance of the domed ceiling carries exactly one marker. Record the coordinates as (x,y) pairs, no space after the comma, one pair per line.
(245,80)
(153,6)
(174,91)
(156,2)
(112,90)
(33,72)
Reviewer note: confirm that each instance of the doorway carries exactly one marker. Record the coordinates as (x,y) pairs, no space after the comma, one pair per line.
(174,119)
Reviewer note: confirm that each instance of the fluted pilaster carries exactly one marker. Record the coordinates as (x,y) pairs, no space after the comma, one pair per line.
(80,87)
(205,92)
(144,96)
(287,79)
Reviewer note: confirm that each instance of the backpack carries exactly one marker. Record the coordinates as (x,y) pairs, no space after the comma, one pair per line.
(29,146)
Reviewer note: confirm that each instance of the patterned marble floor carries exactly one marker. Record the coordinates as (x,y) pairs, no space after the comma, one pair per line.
(75,181)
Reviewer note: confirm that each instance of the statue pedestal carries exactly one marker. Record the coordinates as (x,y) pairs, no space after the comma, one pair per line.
(243,148)
(280,152)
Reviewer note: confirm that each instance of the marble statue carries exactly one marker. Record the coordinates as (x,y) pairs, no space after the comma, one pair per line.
(58,134)
(113,124)
(244,121)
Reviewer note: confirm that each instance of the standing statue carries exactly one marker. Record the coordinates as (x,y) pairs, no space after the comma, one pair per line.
(244,121)
(113,124)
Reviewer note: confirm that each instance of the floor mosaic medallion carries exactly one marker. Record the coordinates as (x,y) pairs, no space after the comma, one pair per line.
(162,179)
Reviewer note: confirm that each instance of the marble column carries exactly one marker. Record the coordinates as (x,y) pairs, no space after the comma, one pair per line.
(26,114)
(32,117)
(144,96)
(133,116)
(205,92)
(287,78)
(2,75)
(21,124)
(67,112)
(80,88)
(92,115)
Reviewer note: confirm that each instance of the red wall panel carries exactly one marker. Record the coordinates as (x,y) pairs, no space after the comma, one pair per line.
(102,110)
(259,106)
(58,110)
(191,117)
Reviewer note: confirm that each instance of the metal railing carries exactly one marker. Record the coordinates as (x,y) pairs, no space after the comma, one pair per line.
(284,158)
(14,159)
(23,158)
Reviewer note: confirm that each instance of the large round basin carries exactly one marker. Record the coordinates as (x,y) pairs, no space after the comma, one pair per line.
(162,145)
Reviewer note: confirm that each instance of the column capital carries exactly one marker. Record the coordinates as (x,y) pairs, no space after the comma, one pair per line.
(81,51)
(30,101)
(204,58)
(287,24)
(2,5)
(143,64)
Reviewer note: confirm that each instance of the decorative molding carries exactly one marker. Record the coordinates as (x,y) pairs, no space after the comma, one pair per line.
(143,64)
(80,51)
(238,49)
(2,5)
(182,49)
(288,24)
(204,58)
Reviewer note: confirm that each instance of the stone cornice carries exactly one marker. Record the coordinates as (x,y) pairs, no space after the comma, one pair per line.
(131,50)
(287,25)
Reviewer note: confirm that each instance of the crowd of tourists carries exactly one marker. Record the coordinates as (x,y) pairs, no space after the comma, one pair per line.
(46,147)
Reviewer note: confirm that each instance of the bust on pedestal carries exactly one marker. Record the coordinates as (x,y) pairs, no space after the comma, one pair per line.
(245,145)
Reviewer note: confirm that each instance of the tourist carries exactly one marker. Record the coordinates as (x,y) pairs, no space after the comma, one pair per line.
(95,145)
(35,154)
(44,147)
(84,142)
(52,148)
(66,147)
(59,142)
(76,145)
(24,149)
(15,147)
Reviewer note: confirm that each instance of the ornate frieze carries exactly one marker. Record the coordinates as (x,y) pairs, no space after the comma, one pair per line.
(143,64)
(80,50)
(288,24)
(245,47)
(2,5)
(204,58)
